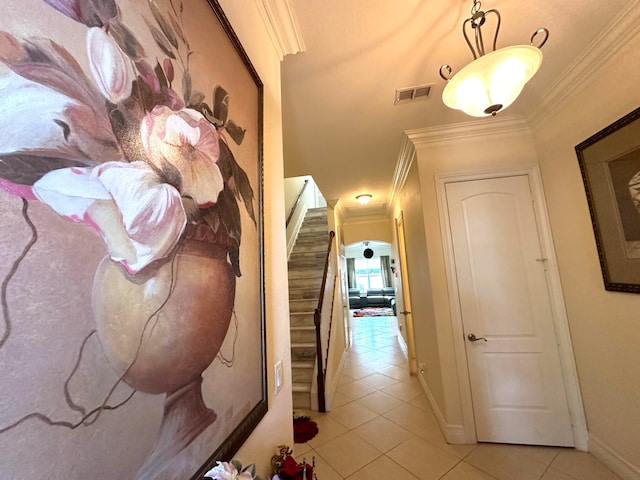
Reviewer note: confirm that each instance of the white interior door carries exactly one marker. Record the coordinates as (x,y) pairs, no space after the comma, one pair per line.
(514,366)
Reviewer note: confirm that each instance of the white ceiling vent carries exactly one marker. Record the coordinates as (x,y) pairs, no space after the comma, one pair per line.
(412,94)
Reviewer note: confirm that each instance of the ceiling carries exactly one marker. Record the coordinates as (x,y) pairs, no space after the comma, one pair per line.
(340,123)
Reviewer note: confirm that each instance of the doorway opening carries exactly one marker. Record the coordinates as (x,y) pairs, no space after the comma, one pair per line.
(370,279)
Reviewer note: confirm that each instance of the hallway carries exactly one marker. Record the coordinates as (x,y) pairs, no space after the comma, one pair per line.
(382,427)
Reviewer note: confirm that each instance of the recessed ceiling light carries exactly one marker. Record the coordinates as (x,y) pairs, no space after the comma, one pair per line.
(364,198)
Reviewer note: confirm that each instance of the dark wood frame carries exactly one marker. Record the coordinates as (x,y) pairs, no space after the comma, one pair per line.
(239,435)
(612,213)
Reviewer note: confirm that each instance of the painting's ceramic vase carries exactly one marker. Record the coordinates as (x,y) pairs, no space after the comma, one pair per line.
(162,327)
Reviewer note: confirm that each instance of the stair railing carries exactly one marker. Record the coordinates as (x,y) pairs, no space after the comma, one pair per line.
(317,317)
(295,205)
(326,332)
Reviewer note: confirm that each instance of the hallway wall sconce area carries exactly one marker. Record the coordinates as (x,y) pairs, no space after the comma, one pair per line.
(364,198)
(492,81)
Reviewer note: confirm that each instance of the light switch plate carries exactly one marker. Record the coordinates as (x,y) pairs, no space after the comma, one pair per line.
(278,376)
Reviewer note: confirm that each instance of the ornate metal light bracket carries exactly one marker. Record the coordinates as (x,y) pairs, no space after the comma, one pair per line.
(475,22)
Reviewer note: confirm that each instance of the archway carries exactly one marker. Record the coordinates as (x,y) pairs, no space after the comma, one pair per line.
(370,269)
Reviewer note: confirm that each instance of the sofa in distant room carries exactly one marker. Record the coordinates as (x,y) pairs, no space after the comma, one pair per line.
(354,298)
(375,297)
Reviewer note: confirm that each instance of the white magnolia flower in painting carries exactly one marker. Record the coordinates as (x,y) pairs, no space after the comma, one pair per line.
(112,70)
(43,120)
(62,123)
(139,217)
(185,147)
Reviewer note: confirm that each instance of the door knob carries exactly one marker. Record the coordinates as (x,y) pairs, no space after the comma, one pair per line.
(472,338)
(405,313)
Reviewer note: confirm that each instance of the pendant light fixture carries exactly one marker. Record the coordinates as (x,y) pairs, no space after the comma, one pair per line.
(367,252)
(493,80)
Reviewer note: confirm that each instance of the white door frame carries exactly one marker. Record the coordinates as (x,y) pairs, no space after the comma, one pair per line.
(560,322)
(406,295)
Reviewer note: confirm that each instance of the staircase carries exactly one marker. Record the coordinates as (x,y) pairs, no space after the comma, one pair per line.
(306,266)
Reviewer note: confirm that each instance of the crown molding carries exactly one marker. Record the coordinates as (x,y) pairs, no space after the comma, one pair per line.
(405,159)
(338,206)
(467,130)
(282,24)
(620,31)
(364,219)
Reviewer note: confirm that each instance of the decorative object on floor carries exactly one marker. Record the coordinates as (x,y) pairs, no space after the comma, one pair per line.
(492,81)
(131,200)
(304,429)
(373,312)
(285,467)
(610,166)
(232,471)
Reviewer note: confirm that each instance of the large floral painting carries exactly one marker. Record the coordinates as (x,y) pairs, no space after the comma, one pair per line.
(132,324)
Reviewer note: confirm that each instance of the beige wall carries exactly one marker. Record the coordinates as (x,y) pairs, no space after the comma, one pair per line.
(369,229)
(301,200)
(276,427)
(292,188)
(410,207)
(605,326)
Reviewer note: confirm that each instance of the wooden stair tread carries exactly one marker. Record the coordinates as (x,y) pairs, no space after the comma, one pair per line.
(306,267)
(301,387)
(300,364)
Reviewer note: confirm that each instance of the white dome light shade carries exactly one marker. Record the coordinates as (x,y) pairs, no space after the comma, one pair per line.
(364,198)
(493,81)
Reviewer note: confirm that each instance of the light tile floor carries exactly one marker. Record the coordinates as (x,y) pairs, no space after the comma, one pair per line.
(381,427)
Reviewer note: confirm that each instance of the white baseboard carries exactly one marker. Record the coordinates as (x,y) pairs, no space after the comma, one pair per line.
(331,391)
(613,460)
(453,434)
(403,344)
